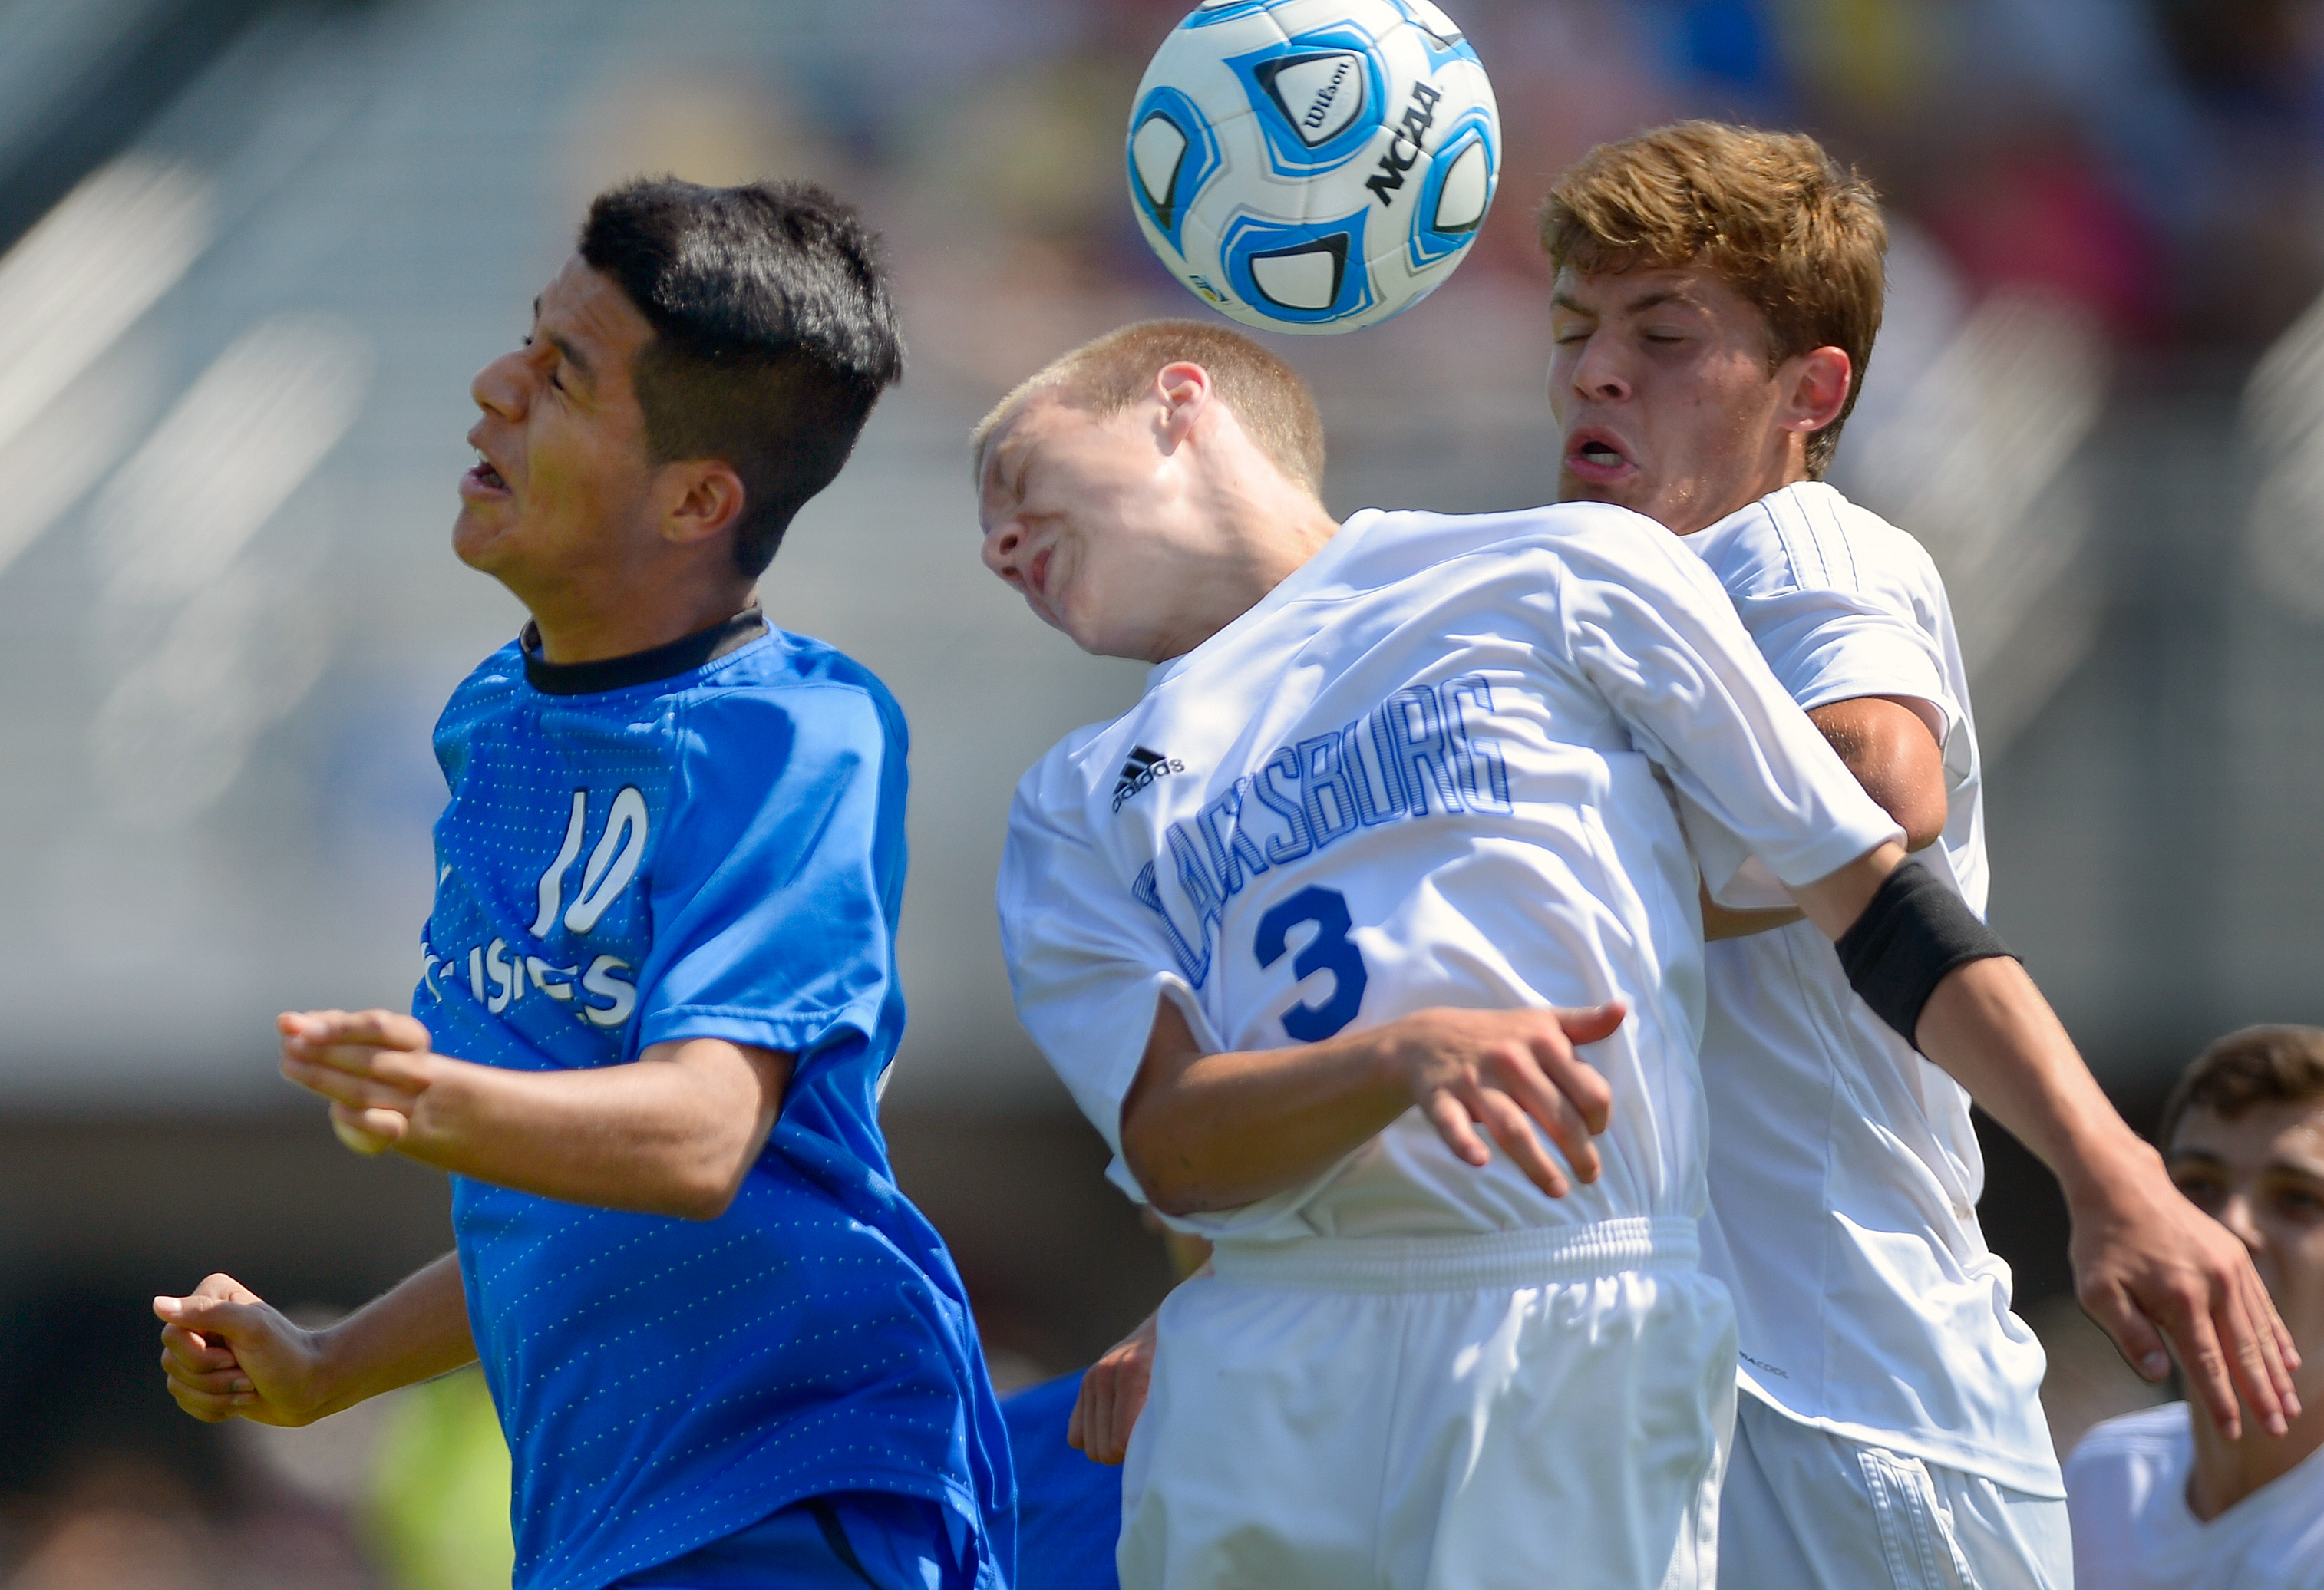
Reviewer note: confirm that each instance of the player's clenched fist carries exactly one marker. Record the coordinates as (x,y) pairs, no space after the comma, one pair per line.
(373,1065)
(1506,1070)
(228,1353)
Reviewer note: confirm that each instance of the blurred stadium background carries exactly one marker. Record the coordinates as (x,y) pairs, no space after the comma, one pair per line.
(253,249)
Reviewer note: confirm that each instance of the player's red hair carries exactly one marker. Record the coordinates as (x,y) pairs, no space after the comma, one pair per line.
(1799,235)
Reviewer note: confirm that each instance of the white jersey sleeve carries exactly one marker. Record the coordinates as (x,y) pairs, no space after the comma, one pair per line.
(1087,980)
(1659,639)
(1843,605)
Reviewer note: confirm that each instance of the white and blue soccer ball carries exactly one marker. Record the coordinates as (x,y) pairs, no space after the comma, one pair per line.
(1314,165)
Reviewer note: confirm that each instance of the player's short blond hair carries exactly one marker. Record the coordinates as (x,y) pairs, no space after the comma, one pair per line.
(1109,373)
(2246,1070)
(1799,235)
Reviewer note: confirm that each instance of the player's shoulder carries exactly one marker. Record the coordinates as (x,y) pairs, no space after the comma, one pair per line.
(492,682)
(793,676)
(1808,536)
(1418,538)
(1055,791)
(1556,541)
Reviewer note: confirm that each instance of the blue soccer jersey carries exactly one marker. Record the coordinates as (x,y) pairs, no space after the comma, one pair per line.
(705,841)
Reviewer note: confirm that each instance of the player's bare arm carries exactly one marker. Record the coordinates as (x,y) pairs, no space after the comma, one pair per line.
(2139,1264)
(1893,745)
(1205,1132)
(672,1133)
(2147,1266)
(229,1353)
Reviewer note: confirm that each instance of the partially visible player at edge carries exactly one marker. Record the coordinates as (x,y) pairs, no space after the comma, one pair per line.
(1414,788)
(725,1351)
(2163,1499)
(1717,296)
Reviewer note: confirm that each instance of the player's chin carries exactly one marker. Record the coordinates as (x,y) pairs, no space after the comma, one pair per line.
(481,533)
(1573,488)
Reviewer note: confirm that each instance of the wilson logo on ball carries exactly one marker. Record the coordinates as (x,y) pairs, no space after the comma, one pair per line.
(1318,95)
(1313,165)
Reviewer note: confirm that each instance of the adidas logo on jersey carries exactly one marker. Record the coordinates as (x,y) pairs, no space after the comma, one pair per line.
(1143,768)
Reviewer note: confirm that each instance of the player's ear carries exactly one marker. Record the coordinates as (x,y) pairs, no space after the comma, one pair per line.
(1183,389)
(702,499)
(1817,389)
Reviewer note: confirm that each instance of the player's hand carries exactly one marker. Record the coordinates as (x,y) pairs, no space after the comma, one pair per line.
(373,1065)
(228,1354)
(1509,1070)
(2167,1281)
(1113,1394)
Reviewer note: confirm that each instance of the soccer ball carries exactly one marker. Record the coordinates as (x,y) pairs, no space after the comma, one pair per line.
(1314,165)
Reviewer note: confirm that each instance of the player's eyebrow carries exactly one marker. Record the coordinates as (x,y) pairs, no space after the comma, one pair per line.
(2199,1155)
(1637,305)
(1655,300)
(2304,1169)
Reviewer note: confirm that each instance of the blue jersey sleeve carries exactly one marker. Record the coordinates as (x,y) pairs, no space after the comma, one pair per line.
(775,900)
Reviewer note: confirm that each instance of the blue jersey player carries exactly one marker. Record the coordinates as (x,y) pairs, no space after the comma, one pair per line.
(724,1349)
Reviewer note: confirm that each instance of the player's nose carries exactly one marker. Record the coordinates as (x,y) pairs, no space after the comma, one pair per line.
(1002,543)
(504,387)
(1598,374)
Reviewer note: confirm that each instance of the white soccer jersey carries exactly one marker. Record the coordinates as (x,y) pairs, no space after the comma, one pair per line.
(2127,1489)
(1442,763)
(1844,1169)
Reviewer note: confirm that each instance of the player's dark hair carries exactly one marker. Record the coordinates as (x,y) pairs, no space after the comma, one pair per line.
(774,333)
(1797,233)
(2247,1070)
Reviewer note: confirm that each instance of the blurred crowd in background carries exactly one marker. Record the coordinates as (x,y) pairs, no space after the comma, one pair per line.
(254,247)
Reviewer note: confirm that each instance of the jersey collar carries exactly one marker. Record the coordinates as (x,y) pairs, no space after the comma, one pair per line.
(640,667)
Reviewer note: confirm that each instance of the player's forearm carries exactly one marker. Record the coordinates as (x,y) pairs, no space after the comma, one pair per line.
(415,1332)
(1224,1130)
(661,1136)
(1988,1025)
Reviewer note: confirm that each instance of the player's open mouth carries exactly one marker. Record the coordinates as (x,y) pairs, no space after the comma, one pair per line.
(484,479)
(1037,573)
(1595,458)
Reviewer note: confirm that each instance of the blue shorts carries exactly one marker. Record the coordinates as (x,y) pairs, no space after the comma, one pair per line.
(855,1540)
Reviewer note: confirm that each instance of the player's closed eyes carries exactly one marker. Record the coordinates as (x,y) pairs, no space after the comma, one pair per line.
(553,378)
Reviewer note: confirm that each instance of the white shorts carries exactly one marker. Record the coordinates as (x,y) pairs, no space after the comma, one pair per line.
(1527,1409)
(1808,1510)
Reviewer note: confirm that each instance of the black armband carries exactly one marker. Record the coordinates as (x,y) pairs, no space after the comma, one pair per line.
(1913,934)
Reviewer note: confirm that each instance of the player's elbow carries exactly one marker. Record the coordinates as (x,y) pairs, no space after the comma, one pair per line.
(1923,825)
(702,1189)
(1163,1171)
(699,1200)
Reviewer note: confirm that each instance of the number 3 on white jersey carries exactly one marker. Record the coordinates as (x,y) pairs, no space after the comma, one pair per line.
(1330,950)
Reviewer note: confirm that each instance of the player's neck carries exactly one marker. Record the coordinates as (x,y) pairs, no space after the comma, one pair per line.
(1267,530)
(581,627)
(1789,468)
(2226,1471)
